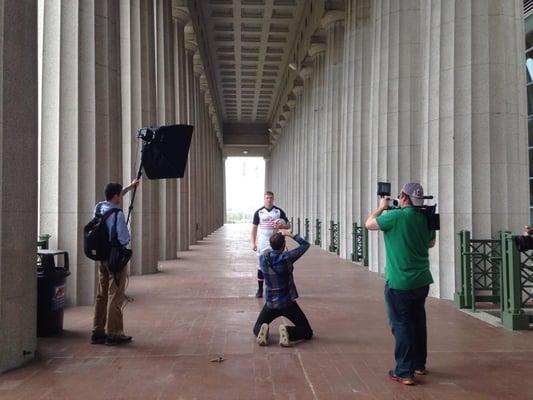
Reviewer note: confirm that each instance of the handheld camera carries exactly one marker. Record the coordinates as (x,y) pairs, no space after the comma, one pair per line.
(430,211)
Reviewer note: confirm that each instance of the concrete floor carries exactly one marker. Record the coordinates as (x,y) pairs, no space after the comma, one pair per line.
(201,307)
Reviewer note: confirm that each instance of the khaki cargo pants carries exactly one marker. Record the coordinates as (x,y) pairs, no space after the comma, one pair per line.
(110,300)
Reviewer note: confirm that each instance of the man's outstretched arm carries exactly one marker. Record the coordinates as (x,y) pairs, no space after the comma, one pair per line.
(371,223)
(296,253)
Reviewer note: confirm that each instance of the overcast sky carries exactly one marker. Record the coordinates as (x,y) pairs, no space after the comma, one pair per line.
(245,183)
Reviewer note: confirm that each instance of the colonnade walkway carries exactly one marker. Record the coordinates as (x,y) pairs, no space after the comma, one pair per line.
(201,307)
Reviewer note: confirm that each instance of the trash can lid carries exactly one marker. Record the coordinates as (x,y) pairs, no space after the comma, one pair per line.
(44,252)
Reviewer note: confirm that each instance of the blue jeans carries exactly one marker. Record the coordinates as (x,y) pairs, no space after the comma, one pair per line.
(407,318)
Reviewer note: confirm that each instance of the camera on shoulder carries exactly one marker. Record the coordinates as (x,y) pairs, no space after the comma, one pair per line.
(429,211)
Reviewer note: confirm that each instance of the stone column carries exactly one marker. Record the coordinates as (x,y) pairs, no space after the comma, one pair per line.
(72,106)
(191,48)
(223,191)
(317,54)
(307,126)
(138,93)
(357,190)
(395,128)
(108,137)
(166,115)
(198,70)
(474,149)
(333,23)
(181,17)
(18,192)
(268,173)
(299,153)
(305,74)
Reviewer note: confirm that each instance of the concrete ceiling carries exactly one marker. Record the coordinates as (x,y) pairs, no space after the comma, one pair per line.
(248,43)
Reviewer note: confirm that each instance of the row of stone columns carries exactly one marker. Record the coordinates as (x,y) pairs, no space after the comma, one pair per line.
(404,91)
(108,69)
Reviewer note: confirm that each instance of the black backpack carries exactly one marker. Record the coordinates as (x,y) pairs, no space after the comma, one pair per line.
(96,240)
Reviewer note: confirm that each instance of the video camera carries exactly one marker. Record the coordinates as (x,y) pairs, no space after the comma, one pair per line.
(430,211)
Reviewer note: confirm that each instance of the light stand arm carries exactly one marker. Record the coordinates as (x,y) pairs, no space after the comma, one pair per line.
(139,175)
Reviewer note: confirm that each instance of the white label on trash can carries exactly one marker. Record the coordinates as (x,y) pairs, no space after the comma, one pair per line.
(58,300)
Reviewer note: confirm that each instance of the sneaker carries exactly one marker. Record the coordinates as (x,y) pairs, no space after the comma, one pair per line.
(421,371)
(262,336)
(284,336)
(399,379)
(113,340)
(259,293)
(98,338)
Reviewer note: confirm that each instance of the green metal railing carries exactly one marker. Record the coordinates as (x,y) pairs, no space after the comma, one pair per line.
(334,237)
(480,271)
(318,236)
(298,222)
(306,227)
(517,285)
(359,244)
(292,222)
(495,271)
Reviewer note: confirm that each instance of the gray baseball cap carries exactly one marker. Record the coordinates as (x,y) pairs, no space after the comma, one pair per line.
(415,192)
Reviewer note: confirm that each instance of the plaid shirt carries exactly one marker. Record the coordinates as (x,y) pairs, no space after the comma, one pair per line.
(280,288)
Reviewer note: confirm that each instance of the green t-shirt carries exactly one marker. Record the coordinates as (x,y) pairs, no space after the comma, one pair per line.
(407,239)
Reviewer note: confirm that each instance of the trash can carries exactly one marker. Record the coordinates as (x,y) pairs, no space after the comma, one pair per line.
(51,291)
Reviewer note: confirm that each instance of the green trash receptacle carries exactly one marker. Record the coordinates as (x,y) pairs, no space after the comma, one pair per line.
(51,291)
(43,241)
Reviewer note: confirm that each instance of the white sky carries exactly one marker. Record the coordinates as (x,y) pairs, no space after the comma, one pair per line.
(245,183)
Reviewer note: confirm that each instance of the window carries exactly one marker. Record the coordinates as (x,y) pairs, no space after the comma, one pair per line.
(529,79)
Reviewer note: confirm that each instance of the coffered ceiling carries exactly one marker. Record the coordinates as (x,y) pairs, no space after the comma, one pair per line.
(248,42)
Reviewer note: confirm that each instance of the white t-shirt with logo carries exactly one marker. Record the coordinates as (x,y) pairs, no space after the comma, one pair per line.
(265,220)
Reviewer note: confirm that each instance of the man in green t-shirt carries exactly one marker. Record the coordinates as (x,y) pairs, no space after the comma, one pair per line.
(407,278)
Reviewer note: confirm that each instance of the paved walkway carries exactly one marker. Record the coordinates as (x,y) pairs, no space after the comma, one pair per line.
(201,307)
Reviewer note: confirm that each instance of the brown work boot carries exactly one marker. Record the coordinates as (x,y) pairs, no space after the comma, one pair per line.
(113,340)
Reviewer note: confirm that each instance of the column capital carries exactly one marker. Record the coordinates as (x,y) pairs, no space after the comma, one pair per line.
(198,67)
(191,44)
(298,89)
(316,49)
(180,11)
(305,72)
(332,16)
(203,78)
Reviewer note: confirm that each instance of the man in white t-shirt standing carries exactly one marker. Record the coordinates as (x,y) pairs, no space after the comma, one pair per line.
(267,220)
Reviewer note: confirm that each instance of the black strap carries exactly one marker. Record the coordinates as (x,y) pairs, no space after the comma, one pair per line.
(108,213)
(114,234)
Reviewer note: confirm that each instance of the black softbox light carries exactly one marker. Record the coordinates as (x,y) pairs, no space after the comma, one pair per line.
(166,150)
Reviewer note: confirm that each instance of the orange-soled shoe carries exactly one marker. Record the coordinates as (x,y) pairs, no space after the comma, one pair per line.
(399,379)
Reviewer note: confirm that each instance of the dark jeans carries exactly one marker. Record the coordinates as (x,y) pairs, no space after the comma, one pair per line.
(301,330)
(407,318)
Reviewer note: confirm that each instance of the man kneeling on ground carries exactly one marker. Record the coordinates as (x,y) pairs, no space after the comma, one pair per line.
(281,294)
